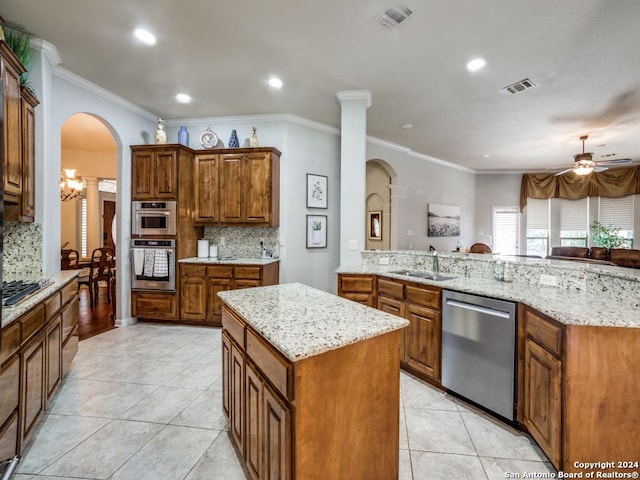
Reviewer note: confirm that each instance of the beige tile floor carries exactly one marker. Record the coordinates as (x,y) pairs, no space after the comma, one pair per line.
(144,402)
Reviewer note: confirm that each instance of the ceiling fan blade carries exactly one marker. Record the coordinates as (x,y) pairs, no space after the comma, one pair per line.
(563,172)
(599,168)
(614,161)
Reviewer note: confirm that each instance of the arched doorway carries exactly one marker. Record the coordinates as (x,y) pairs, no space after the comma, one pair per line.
(381,215)
(87,218)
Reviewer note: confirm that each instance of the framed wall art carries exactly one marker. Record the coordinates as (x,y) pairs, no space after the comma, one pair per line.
(316,231)
(375,225)
(316,191)
(443,221)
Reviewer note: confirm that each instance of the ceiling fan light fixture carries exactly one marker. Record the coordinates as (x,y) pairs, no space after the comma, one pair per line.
(583,170)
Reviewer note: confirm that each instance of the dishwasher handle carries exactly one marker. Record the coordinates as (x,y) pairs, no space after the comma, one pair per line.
(477,308)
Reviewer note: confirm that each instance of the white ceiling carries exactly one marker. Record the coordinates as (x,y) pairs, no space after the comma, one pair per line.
(583,55)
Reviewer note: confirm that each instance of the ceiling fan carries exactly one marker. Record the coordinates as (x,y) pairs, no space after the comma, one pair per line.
(584,164)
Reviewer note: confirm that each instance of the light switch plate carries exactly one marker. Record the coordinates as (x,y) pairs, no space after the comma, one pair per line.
(550,280)
(353,244)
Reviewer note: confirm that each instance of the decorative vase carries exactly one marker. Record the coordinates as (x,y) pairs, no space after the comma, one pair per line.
(253,141)
(233,141)
(183,136)
(161,134)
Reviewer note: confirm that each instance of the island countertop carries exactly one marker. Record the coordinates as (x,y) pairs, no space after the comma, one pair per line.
(301,321)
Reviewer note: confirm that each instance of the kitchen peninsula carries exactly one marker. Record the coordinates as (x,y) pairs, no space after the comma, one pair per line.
(310,383)
(577,345)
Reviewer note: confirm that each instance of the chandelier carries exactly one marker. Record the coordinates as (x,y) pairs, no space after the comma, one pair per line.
(70,186)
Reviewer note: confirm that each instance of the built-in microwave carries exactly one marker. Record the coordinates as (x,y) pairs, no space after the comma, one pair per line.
(153,218)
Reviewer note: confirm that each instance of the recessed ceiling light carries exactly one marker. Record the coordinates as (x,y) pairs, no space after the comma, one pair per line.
(183,98)
(275,82)
(476,64)
(486,155)
(406,125)
(145,36)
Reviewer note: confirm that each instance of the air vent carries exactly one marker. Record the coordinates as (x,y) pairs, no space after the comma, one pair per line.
(519,87)
(394,16)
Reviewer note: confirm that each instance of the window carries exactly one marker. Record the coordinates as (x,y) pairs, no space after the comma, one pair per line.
(574,221)
(506,230)
(618,213)
(538,227)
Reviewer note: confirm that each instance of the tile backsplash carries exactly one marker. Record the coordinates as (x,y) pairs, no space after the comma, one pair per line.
(243,242)
(22,254)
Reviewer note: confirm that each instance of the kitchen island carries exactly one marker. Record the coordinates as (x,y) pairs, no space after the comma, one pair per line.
(310,384)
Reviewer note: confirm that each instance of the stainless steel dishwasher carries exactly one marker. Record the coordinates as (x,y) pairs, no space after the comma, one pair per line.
(479,350)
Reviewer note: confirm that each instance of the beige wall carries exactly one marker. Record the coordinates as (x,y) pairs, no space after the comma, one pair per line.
(378,200)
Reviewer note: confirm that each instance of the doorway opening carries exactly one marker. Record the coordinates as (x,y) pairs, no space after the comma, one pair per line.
(381,217)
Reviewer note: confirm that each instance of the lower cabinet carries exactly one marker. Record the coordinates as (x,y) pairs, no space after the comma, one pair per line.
(9,406)
(359,288)
(54,356)
(32,375)
(154,306)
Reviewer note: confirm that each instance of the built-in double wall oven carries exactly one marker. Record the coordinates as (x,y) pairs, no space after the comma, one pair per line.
(153,264)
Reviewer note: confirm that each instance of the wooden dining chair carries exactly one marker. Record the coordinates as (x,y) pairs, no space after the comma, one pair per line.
(69,259)
(99,271)
(479,248)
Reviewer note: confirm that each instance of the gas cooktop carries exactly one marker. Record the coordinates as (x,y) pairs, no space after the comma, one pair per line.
(19,290)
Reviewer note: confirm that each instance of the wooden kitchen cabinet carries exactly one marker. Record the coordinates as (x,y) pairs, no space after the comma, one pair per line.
(27,209)
(33,395)
(53,338)
(9,406)
(155,170)
(359,288)
(193,292)
(239,186)
(154,306)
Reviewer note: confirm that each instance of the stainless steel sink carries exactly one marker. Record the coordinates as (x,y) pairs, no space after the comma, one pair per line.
(425,275)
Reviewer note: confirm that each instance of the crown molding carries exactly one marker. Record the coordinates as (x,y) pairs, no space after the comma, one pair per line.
(49,51)
(349,95)
(85,84)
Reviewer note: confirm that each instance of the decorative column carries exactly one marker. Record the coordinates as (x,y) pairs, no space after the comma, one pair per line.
(93,214)
(353,181)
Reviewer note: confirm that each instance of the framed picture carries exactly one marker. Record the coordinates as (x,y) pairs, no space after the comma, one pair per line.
(316,191)
(316,231)
(375,225)
(443,221)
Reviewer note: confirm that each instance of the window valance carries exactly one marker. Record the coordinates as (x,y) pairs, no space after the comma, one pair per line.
(615,182)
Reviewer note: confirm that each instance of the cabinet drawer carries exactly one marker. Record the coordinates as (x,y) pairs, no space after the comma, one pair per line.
(10,341)
(363,298)
(155,306)
(220,271)
(195,270)
(271,364)
(70,318)
(389,288)
(248,272)
(425,296)
(69,291)
(9,389)
(358,284)
(52,305)
(234,326)
(545,332)
(32,322)
(244,283)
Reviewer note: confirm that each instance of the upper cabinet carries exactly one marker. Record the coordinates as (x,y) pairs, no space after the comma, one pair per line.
(19,139)
(239,186)
(154,172)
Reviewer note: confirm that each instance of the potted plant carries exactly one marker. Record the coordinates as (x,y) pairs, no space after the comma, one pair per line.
(316,226)
(19,41)
(604,236)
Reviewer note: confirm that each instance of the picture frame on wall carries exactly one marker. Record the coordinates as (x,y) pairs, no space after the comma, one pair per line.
(443,220)
(317,194)
(316,231)
(375,225)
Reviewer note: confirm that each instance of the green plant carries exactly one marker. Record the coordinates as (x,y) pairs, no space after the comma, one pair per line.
(19,41)
(605,236)
(316,225)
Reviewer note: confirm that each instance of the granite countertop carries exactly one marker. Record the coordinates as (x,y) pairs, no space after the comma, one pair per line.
(570,307)
(59,280)
(301,321)
(229,261)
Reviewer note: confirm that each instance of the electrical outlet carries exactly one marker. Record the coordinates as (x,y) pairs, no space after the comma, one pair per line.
(282,242)
(383,260)
(550,280)
(410,233)
(353,244)
(223,241)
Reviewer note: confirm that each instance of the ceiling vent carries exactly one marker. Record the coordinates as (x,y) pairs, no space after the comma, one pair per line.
(393,16)
(519,87)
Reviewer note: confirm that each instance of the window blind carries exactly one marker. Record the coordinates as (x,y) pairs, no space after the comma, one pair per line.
(616,212)
(506,231)
(573,214)
(538,214)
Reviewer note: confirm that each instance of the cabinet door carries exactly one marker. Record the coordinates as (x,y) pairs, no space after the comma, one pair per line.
(164,184)
(142,175)
(32,382)
(257,198)
(422,341)
(12,136)
(54,356)
(226,379)
(214,304)
(237,397)
(193,293)
(394,307)
(231,188)
(155,306)
(543,392)
(206,188)
(28,158)
(9,398)
(276,434)
(253,439)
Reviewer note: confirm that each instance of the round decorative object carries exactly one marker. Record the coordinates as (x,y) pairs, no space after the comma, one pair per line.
(208,139)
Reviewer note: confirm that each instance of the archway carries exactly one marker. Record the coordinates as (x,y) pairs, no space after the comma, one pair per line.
(89,148)
(380,205)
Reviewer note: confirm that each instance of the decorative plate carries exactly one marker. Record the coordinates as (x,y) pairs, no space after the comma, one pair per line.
(208,139)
